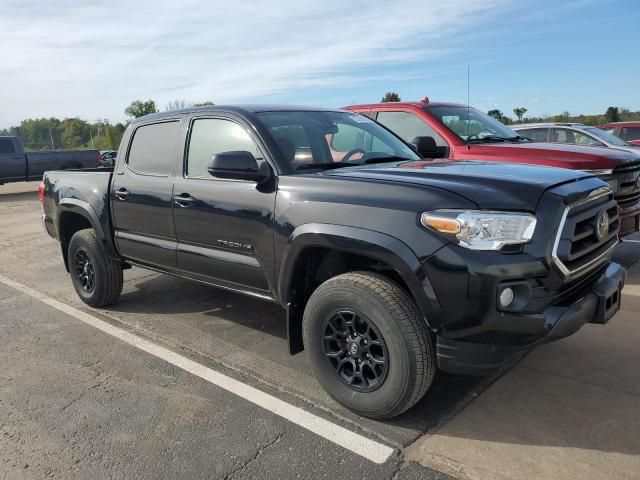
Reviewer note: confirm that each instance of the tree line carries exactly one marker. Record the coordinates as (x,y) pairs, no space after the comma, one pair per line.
(612,114)
(75,133)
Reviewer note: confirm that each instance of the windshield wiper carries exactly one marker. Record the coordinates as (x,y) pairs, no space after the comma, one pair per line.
(324,166)
(332,165)
(385,159)
(497,138)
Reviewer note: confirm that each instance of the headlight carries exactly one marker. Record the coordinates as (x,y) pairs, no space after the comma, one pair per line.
(599,171)
(481,230)
(605,174)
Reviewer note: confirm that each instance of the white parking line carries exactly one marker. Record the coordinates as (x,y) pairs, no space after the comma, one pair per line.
(363,446)
(630,241)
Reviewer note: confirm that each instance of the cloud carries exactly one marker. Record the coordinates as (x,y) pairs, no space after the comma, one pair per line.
(72,57)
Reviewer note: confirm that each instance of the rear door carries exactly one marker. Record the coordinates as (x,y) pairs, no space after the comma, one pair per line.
(13,164)
(224,227)
(142,195)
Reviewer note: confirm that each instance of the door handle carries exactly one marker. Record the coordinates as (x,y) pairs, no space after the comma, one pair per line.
(121,194)
(184,200)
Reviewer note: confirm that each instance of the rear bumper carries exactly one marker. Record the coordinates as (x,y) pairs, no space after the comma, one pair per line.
(598,305)
(630,220)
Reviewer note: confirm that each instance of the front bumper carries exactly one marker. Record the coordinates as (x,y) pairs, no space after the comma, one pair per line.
(598,305)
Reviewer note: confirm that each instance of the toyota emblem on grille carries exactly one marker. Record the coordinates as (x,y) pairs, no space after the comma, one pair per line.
(603,225)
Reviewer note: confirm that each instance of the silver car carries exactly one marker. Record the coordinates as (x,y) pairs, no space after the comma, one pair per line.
(574,134)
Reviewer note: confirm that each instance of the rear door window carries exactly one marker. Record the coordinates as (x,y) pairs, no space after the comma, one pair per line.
(6,146)
(154,148)
(347,138)
(630,133)
(563,135)
(408,126)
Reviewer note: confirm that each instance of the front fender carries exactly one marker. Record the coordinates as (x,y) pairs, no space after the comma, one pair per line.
(375,245)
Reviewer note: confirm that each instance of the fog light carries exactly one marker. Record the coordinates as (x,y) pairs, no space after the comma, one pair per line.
(506,297)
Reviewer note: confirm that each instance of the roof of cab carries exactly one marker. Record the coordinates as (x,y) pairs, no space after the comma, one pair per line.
(420,104)
(240,109)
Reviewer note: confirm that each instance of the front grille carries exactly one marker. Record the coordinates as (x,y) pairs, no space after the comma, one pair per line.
(580,244)
(628,189)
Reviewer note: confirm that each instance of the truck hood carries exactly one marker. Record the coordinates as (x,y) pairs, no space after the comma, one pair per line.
(490,185)
(574,157)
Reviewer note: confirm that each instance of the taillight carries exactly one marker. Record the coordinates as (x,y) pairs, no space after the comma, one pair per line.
(41,193)
(98,159)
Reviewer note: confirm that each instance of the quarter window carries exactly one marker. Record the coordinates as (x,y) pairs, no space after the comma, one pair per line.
(210,136)
(154,148)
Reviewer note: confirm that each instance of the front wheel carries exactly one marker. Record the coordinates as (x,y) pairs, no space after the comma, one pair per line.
(96,278)
(368,345)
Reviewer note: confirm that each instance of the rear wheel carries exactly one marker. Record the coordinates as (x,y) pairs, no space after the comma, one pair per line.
(369,347)
(96,278)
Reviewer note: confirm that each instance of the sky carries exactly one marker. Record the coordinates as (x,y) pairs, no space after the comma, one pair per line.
(91,59)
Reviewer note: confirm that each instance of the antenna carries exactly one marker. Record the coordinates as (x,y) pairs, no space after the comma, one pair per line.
(468,107)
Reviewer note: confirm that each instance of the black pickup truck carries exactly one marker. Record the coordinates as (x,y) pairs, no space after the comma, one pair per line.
(18,166)
(388,265)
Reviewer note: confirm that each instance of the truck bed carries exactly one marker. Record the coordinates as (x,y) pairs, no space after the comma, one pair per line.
(80,193)
(40,162)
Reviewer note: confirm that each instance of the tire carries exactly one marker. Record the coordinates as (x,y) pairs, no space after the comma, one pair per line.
(407,344)
(106,274)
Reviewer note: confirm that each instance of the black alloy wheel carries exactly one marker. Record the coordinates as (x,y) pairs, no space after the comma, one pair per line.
(356,349)
(84,271)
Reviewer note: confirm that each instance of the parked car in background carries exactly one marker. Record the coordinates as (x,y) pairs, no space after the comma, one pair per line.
(18,166)
(107,158)
(460,132)
(387,265)
(627,131)
(572,134)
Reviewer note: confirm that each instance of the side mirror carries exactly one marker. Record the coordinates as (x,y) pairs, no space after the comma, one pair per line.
(426,147)
(238,165)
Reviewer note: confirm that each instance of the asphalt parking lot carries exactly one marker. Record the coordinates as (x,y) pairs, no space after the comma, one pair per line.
(78,402)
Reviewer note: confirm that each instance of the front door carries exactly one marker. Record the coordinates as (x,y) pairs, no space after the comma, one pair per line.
(224,227)
(141,196)
(13,164)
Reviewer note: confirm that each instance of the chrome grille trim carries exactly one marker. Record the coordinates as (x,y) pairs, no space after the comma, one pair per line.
(566,272)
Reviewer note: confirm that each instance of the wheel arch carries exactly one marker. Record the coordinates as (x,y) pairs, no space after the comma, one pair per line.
(75,215)
(300,264)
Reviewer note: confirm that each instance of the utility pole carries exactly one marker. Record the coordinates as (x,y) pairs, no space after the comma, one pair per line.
(51,137)
(91,135)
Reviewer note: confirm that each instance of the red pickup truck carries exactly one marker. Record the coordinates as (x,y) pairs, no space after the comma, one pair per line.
(459,132)
(627,131)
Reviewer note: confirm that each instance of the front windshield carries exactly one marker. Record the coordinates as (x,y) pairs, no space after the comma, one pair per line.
(310,140)
(607,137)
(472,125)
